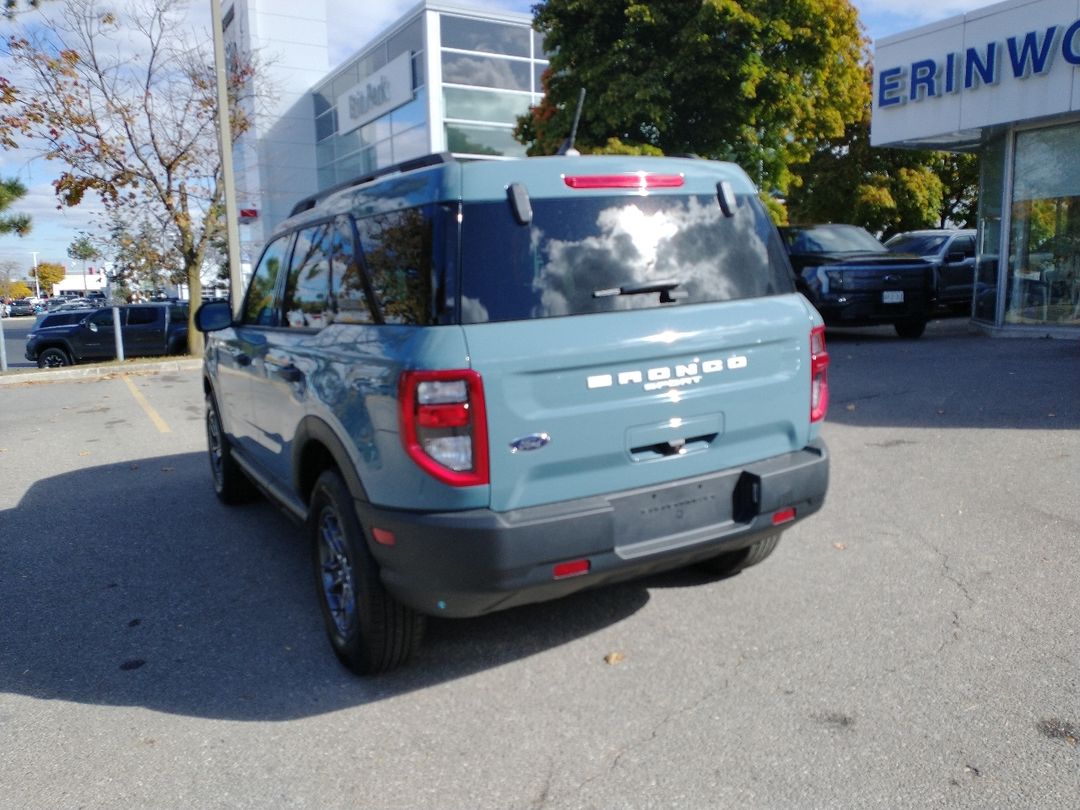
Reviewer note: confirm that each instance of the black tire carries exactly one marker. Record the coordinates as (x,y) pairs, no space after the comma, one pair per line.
(369,630)
(231,485)
(911,328)
(732,562)
(53,358)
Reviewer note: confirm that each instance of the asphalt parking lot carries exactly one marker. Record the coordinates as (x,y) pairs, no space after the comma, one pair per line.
(913,645)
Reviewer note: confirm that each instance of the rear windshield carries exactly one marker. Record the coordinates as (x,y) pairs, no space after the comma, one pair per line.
(601,254)
(919,245)
(831,239)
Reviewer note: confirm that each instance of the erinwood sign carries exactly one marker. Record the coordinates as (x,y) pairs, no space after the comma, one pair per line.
(376,95)
(1004,64)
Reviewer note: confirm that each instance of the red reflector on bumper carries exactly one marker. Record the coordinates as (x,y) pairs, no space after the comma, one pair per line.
(383,537)
(571,569)
(783,516)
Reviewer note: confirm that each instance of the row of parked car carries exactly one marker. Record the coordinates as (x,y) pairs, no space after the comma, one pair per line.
(855,280)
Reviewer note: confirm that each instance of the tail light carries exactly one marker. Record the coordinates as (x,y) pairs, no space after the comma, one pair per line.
(638,180)
(819,375)
(444,426)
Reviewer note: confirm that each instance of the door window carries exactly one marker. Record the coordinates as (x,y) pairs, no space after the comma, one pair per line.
(307,290)
(259,304)
(349,286)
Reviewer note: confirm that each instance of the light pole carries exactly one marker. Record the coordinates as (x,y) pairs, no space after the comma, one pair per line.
(232,229)
(37,286)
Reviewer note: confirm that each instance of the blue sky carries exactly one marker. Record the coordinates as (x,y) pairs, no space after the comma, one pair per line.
(54,229)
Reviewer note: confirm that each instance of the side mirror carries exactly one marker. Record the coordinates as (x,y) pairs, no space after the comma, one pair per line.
(89,324)
(213,316)
(955,257)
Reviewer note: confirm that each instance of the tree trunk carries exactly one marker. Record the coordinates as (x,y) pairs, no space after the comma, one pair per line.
(195,337)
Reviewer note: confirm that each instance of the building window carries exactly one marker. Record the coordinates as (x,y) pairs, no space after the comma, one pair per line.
(483,140)
(485,105)
(1043,281)
(469,34)
(486,71)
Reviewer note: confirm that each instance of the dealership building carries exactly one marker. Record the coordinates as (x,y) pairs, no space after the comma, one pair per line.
(442,78)
(1002,82)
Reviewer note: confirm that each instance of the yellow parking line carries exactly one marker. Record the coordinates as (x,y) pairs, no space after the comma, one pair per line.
(159,423)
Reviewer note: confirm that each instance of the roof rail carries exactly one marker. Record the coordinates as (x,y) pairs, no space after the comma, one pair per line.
(435,159)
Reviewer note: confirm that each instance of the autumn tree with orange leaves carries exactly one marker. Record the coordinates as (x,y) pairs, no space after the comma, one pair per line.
(125,101)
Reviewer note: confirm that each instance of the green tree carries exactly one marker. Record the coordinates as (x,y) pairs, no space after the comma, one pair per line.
(82,249)
(10,192)
(759,82)
(883,190)
(141,253)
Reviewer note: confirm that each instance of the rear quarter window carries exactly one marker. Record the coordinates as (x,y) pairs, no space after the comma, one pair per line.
(577,248)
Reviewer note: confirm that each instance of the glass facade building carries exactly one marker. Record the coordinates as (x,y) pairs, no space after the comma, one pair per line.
(1002,82)
(443,78)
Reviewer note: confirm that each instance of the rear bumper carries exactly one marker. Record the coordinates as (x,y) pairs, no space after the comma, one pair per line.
(866,308)
(474,562)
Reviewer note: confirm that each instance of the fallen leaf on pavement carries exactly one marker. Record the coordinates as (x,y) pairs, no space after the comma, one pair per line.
(613,658)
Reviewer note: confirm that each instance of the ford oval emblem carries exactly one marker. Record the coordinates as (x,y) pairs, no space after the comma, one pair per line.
(534,441)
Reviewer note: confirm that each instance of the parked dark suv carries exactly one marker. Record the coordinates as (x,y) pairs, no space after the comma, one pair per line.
(78,336)
(951,255)
(854,280)
(483,384)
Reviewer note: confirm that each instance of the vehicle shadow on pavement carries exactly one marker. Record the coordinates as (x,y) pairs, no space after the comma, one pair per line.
(168,600)
(952,377)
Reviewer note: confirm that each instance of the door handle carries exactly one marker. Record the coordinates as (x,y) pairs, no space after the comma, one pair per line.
(290,373)
(285,370)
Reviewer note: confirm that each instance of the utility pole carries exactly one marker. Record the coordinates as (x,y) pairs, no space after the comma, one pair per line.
(37,286)
(232,225)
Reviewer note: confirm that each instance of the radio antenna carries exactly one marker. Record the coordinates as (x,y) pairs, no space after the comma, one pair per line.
(567,147)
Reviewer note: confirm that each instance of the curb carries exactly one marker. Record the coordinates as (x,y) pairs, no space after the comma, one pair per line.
(13,377)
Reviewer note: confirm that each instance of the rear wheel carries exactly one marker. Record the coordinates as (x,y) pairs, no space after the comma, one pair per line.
(732,562)
(230,484)
(53,358)
(911,328)
(370,631)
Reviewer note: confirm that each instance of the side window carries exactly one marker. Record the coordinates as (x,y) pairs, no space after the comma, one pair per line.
(259,303)
(349,287)
(140,315)
(965,245)
(396,250)
(104,318)
(307,290)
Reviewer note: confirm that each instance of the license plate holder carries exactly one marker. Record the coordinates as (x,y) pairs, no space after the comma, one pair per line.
(892,297)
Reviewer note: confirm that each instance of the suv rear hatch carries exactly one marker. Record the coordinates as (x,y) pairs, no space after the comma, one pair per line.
(628,338)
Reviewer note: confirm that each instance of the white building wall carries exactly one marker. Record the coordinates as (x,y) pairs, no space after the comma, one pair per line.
(1025,86)
(275,160)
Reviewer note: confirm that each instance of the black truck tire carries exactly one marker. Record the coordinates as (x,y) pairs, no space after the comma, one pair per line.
(369,630)
(53,357)
(911,328)
(231,485)
(732,562)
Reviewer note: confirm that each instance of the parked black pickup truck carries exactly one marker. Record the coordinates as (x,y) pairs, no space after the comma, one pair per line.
(854,280)
(61,338)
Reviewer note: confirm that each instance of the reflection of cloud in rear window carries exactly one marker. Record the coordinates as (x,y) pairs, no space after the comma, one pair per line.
(472,311)
(695,245)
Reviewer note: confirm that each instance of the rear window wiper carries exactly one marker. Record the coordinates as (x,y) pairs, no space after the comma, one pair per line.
(667,289)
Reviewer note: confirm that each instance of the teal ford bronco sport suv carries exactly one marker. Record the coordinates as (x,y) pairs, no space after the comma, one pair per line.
(488,383)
